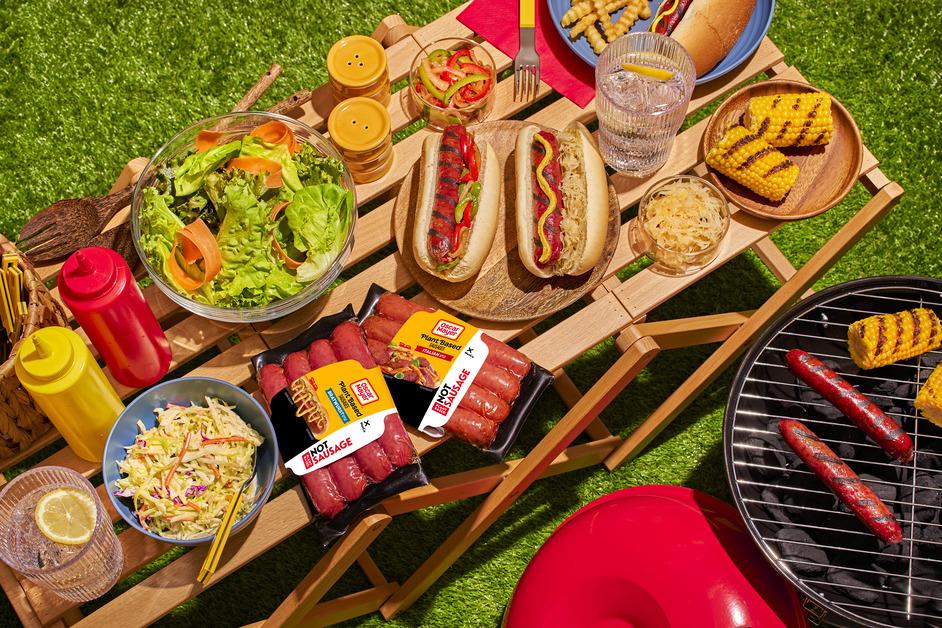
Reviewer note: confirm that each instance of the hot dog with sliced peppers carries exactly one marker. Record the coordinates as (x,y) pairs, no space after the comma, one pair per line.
(562,201)
(456,215)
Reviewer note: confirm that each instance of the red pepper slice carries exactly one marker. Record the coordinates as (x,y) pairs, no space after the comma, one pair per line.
(471,159)
(474,68)
(458,54)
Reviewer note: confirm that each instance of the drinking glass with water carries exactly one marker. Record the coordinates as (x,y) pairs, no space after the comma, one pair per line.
(643,83)
(55,531)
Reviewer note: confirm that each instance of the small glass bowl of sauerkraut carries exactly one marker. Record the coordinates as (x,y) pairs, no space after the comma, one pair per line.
(681,222)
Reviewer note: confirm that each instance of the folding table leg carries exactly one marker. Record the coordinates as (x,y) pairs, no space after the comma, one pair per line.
(735,345)
(339,558)
(635,358)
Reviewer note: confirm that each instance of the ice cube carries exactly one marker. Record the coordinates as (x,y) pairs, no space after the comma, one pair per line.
(665,95)
(627,90)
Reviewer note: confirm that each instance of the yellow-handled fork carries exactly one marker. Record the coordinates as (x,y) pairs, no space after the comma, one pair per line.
(527,61)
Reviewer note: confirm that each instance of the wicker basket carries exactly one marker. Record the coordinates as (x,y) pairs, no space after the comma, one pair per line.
(21,422)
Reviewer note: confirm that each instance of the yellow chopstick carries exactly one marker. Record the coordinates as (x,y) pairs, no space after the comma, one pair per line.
(219,543)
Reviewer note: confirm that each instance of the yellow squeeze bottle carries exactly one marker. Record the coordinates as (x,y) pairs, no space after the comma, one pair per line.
(55,366)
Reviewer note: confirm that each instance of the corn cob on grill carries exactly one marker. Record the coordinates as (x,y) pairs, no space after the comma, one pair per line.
(929,399)
(791,119)
(887,338)
(745,157)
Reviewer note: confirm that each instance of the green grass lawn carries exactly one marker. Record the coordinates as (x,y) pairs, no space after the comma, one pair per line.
(84,87)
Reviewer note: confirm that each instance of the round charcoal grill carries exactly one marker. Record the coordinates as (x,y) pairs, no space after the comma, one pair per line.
(798,523)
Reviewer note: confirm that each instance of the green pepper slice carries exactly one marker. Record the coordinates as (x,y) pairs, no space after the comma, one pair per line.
(438,55)
(425,75)
(474,78)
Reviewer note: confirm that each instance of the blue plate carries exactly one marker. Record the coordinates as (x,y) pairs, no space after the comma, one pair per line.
(748,42)
(183,392)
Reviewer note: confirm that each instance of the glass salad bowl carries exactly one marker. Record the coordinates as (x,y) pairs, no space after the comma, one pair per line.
(244,217)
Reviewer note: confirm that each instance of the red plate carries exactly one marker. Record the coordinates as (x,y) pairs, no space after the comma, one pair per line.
(652,556)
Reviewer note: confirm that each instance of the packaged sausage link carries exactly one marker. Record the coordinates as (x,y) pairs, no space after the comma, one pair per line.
(337,424)
(447,377)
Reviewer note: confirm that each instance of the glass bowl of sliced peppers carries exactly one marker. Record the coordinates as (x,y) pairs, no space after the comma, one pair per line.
(452,81)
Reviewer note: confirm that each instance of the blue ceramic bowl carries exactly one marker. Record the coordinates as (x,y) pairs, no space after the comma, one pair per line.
(184,392)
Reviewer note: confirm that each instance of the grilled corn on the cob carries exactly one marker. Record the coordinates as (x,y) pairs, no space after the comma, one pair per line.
(745,157)
(887,338)
(791,119)
(929,399)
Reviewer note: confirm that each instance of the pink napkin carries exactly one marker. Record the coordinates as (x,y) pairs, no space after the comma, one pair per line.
(497,21)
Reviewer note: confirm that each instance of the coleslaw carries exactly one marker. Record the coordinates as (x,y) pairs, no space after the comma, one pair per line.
(182,473)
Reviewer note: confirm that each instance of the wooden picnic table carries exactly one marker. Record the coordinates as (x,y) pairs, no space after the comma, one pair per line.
(616,308)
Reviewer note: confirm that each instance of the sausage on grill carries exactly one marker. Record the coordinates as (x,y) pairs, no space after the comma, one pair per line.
(842,481)
(883,430)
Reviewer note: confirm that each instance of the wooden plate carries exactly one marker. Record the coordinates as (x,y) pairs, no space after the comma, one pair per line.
(827,173)
(504,290)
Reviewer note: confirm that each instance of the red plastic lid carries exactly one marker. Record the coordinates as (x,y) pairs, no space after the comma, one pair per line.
(89,272)
(653,556)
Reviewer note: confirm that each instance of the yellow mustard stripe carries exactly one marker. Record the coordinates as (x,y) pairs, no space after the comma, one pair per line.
(661,16)
(545,186)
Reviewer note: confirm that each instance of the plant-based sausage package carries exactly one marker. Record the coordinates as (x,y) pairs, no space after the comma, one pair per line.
(448,377)
(337,424)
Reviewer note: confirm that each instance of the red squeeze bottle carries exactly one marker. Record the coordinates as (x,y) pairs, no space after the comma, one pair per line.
(97,285)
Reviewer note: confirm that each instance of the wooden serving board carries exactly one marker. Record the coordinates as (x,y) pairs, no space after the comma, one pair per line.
(827,173)
(504,290)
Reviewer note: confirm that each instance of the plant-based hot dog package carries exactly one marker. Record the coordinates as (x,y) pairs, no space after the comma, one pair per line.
(337,424)
(448,377)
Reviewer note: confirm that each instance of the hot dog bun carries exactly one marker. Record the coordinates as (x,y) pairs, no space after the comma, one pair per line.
(585,204)
(484,226)
(710,28)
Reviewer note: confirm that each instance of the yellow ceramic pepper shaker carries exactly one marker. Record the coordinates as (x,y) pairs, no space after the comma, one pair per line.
(360,128)
(55,366)
(357,67)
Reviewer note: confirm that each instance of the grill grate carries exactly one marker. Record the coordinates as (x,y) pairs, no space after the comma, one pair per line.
(799,524)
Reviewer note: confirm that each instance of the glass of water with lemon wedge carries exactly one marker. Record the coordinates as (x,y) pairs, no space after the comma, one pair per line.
(55,531)
(643,83)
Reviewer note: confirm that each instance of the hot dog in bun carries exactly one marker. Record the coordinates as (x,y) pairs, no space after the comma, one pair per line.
(562,201)
(708,29)
(456,215)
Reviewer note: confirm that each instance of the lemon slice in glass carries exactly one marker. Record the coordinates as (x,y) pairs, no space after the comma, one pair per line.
(66,515)
(656,73)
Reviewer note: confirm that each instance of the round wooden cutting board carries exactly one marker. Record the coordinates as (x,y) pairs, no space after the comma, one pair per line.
(826,173)
(504,290)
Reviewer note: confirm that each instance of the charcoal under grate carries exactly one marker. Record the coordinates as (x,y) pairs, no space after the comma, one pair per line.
(798,523)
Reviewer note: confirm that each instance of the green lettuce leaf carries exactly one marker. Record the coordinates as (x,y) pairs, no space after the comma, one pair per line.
(314,168)
(250,275)
(188,176)
(158,227)
(254,147)
(317,217)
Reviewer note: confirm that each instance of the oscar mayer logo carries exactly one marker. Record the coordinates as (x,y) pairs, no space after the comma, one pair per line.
(363,391)
(447,329)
